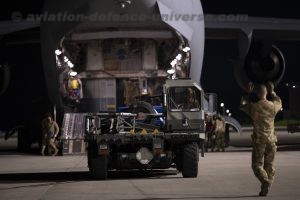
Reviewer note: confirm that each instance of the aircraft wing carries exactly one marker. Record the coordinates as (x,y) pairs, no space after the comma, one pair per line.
(270,28)
(7,27)
(264,28)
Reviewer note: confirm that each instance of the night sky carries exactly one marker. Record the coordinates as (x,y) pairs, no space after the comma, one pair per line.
(217,73)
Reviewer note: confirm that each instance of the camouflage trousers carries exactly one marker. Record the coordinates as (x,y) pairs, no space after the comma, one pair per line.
(50,143)
(263,156)
(210,141)
(220,141)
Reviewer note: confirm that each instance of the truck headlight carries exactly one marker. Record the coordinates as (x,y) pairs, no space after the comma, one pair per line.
(103,146)
(144,156)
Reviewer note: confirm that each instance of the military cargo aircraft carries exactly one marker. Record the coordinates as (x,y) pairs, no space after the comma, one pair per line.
(109,41)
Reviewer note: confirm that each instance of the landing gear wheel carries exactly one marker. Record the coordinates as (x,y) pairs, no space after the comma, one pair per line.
(190,160)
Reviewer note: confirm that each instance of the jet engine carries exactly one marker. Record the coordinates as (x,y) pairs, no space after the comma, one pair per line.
(264,62)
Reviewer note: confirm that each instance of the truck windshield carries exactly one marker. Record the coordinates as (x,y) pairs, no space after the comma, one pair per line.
(184,99)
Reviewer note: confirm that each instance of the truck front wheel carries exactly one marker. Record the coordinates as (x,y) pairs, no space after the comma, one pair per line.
(99,167)
(91,153)
(190,160)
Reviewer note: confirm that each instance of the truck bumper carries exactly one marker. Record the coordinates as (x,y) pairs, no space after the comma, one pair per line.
(129,161)
(125,138)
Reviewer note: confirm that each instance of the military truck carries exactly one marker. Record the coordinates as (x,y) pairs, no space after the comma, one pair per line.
(140,138)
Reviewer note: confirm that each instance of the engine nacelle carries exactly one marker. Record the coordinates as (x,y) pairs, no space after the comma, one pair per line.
(263,63)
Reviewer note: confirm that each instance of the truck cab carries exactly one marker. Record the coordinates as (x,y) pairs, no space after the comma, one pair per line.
(184,106)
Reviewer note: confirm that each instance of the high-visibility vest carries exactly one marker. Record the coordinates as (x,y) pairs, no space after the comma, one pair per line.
(74,84)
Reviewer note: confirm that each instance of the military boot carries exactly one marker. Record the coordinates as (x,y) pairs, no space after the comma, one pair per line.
(265,186)
(43,150)
(55,152)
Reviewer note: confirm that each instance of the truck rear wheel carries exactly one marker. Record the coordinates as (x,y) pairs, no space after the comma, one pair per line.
(190,160)
(91,153)
(99,167)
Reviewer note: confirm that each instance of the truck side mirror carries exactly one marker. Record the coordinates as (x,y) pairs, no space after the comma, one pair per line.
(210,102)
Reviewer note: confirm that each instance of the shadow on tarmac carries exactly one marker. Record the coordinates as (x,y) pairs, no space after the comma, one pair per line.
(202,197)
(294,147)
(84,176)
(236,148)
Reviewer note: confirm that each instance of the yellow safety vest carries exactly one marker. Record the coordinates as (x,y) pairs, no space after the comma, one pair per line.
(74,84)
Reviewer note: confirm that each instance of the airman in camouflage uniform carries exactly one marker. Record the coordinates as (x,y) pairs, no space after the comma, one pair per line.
(208,131)
(50,131)
(220,133)
(264,139)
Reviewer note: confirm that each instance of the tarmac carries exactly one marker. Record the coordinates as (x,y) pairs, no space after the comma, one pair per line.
(222,175)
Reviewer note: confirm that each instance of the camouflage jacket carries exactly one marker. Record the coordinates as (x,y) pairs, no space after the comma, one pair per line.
(49,129)
(219,126)
(262,114)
